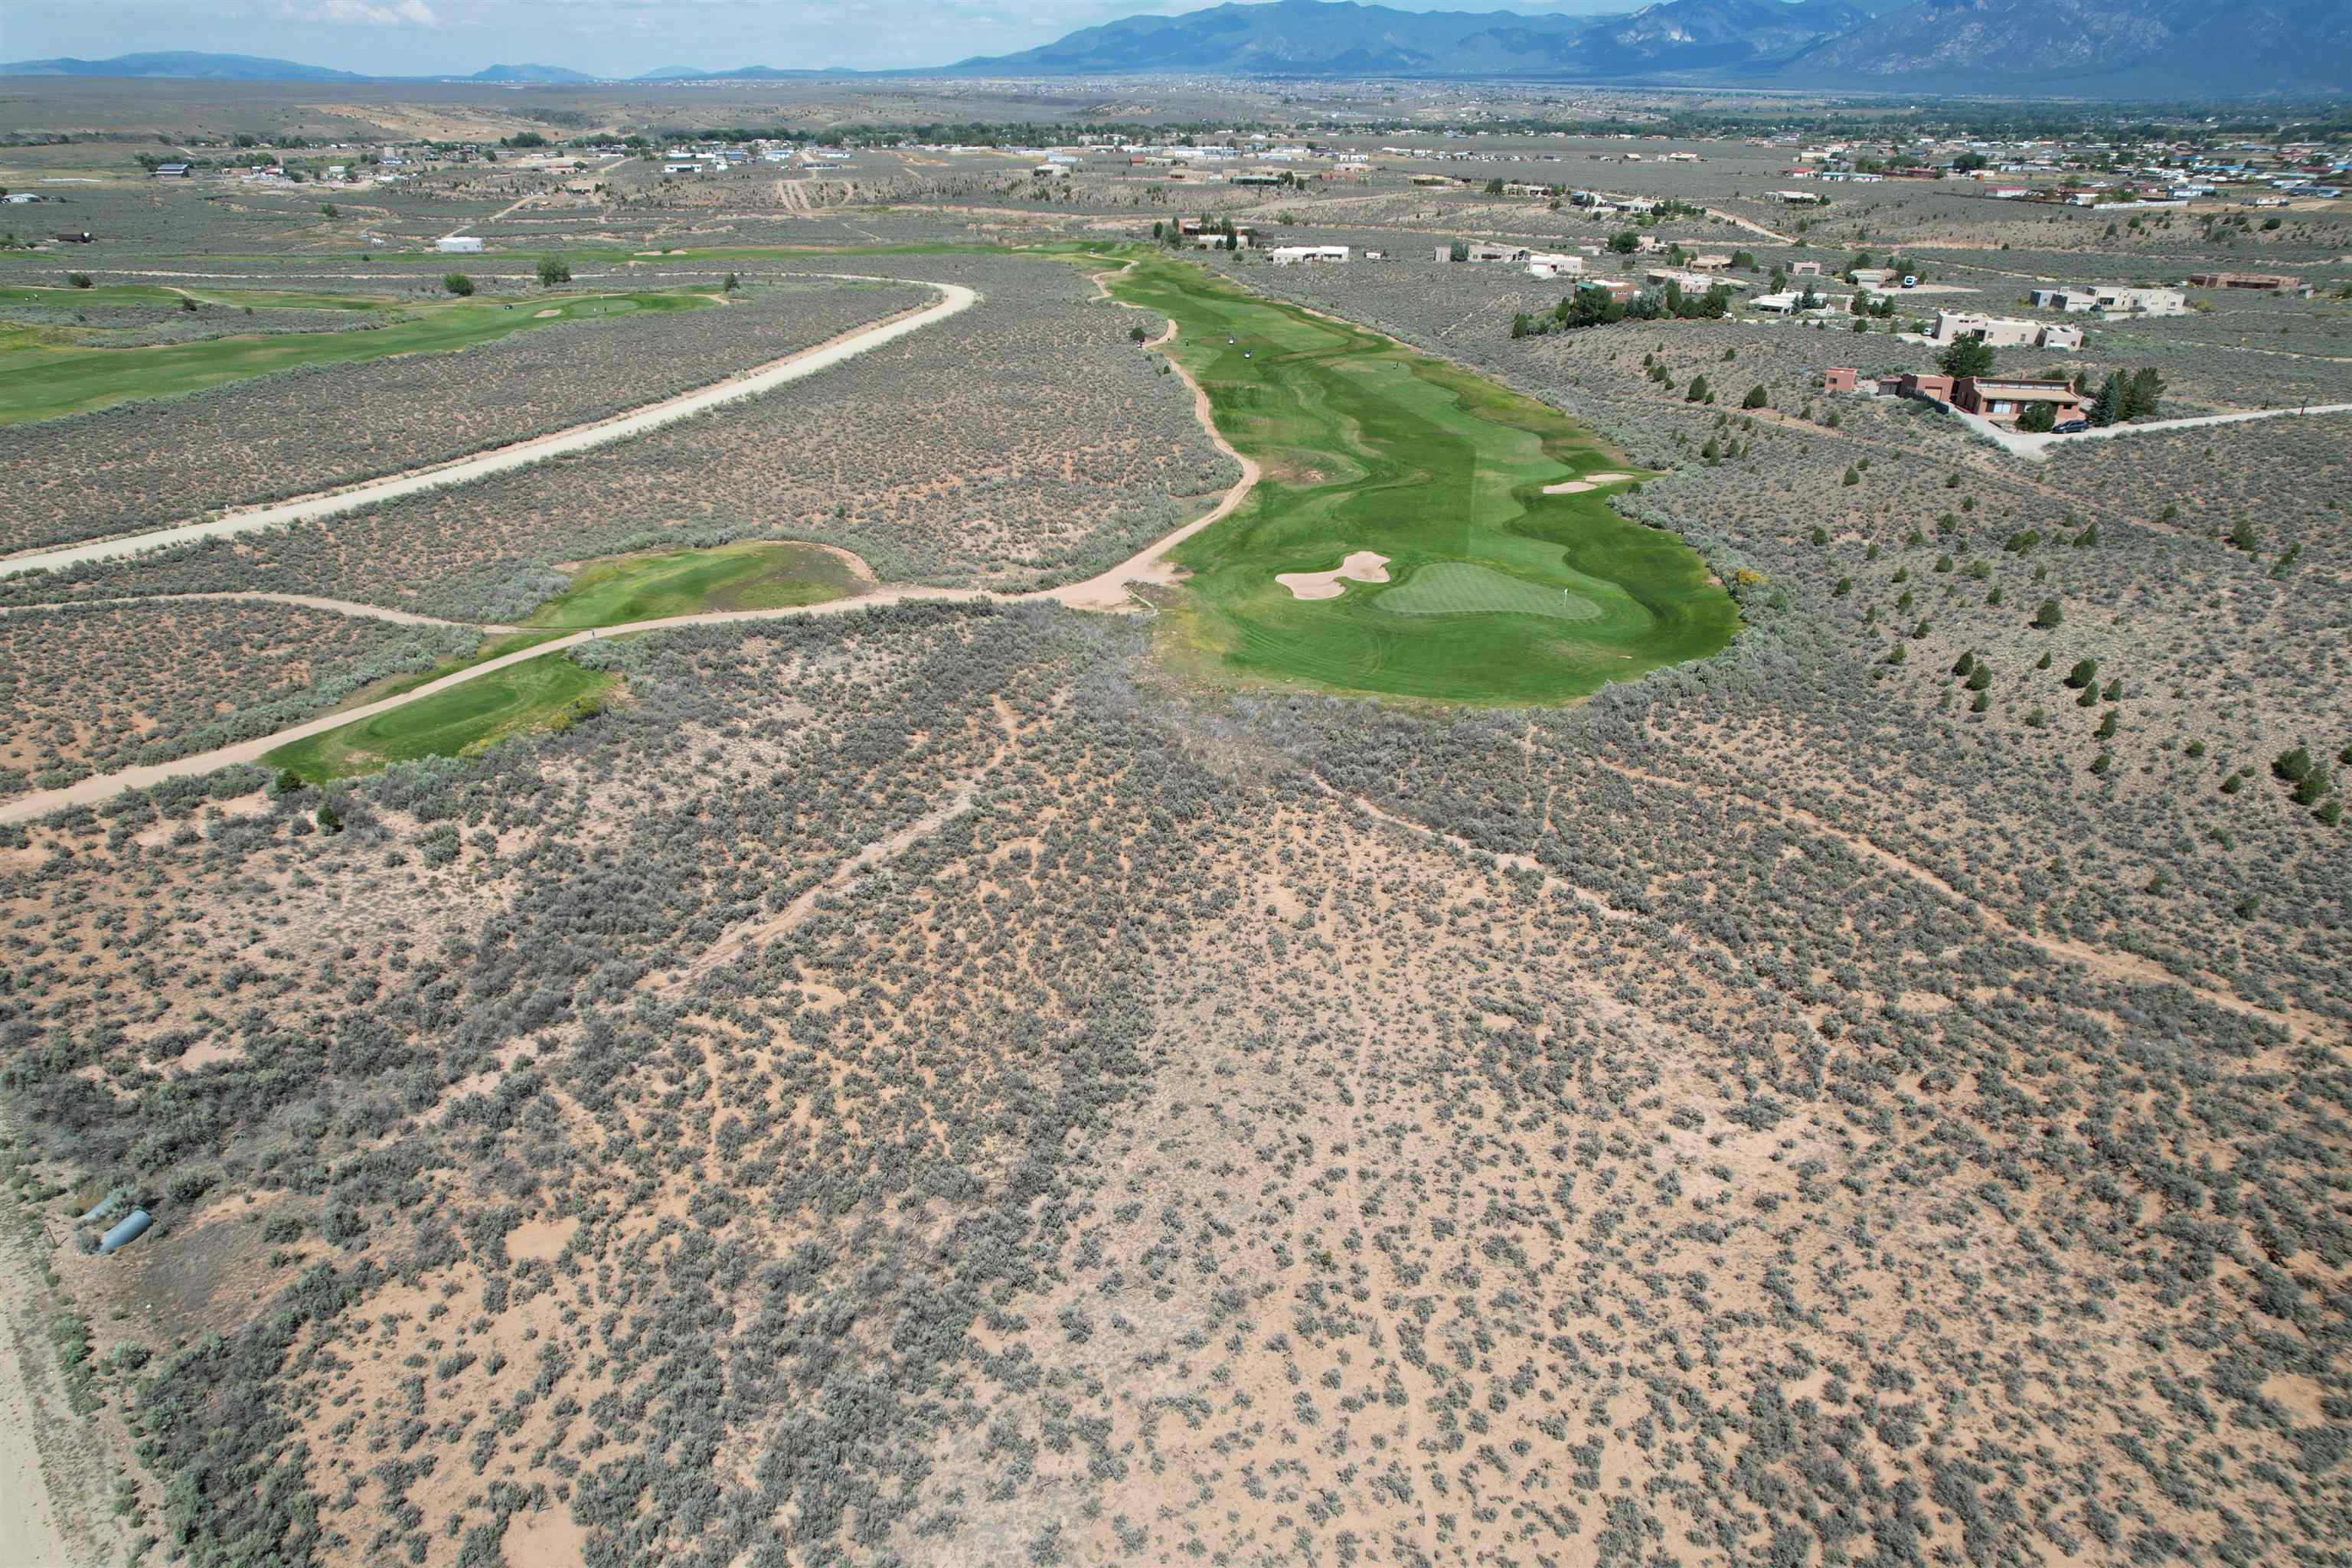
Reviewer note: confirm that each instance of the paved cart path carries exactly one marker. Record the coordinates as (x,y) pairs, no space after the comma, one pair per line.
(579,439)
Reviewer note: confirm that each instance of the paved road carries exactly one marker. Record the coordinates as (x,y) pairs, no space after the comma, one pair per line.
(579,439)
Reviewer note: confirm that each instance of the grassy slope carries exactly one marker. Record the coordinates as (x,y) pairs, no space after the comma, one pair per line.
(1368,446)
(532,695)
(759,575)
(61,380)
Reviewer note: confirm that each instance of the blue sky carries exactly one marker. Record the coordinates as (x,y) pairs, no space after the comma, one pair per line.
(618,37)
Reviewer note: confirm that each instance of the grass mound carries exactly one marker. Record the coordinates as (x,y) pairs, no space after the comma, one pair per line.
(761,575)
(1368,446)
(536,694)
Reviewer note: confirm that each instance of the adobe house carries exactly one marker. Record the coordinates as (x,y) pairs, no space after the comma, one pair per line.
(2002,400)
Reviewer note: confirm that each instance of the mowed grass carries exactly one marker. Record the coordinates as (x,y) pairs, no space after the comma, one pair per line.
(59,379)
(1367,446)
(759,575)
(491,649)
(536,694)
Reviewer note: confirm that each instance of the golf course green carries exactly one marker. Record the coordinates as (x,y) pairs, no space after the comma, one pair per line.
(535,694)
(1495,592)
(45,379)
(761,576)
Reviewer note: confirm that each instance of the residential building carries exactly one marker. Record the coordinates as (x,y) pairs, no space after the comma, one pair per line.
(2276,282)
(2116,298)
(1291,255)
(172,171)
(2004,331)
(1545,264)
(2002,401)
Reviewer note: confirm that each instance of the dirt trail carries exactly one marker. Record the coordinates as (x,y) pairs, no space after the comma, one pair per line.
(1105,591)
(732,944)
(2124,967)
(1110,590)
(579,439)
(304,601)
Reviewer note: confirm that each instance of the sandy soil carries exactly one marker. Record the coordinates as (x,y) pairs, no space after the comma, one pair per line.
(1362,567)
(50,1486)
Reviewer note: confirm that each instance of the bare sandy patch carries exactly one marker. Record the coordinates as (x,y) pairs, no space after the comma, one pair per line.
(1590,482)
(542,315)
(1363,566)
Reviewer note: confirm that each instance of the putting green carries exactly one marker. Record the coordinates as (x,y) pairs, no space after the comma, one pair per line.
(761,576)
(536,694)
(1464,588)
(48,380)
(1497,593)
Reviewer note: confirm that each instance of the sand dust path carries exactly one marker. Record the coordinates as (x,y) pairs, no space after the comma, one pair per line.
(1106,591)
(579,439)
(1110,590)
(105,786)
(255,597)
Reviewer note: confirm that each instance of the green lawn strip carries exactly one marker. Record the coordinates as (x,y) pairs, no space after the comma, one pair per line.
(758,576)
(1368,446)
(536,694)
(491,649)
(71,380)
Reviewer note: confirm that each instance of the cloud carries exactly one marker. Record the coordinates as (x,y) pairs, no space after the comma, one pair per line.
(360,13)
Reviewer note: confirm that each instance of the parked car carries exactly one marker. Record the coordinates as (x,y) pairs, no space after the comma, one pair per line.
(2072,428)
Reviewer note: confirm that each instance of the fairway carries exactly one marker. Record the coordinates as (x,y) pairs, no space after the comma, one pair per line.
(761,576)
(536,694)
(47,381)
(1496,593)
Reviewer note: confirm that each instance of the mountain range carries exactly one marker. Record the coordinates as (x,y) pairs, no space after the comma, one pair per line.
(2110,48)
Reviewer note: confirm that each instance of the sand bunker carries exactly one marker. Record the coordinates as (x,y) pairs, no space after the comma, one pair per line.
(1363,566)
(542,315)
(1590,482)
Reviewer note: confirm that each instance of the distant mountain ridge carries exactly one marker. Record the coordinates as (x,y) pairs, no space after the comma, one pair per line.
(528,73)
(2108,47)
(2111,48)
(185,65)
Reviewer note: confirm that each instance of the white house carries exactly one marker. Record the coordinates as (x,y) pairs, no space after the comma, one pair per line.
(1544,264)
(458,244)
(1286,255)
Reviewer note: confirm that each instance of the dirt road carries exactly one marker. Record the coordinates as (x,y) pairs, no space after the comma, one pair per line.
(1106,591)
(579,439)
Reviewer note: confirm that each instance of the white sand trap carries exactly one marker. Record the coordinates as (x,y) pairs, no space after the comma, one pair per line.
(542,315)
(1363,566)
(1578,486)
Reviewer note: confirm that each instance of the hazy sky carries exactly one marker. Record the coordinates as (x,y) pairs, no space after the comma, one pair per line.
(617,38)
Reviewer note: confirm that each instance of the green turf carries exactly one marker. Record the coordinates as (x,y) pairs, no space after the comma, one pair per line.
(536,694)
(47,381)
(1497,593)
(491,649)
(761,576)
